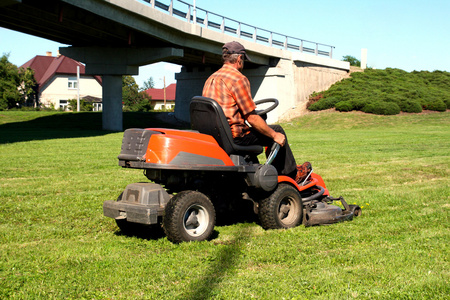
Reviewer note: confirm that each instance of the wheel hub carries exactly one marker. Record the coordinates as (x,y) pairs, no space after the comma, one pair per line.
(196,220)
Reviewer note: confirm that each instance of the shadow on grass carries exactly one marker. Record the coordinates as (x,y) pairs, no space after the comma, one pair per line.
(74,125)
(224,263)
(145,232)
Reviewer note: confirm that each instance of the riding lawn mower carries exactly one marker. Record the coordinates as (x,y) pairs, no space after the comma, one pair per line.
(194,173)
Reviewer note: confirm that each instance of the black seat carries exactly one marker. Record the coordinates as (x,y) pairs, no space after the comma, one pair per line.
(207,117)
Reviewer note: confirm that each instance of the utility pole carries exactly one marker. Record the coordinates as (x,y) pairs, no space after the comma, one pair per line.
(78,88)
(164,92)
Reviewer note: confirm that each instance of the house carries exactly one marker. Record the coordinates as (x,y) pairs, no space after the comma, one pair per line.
(57,81)
(163,98)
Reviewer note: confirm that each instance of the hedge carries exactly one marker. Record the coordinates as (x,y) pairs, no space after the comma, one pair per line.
(411,92)
(382,108)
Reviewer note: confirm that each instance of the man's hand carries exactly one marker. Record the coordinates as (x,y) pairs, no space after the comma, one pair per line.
(259,124)
(280,138)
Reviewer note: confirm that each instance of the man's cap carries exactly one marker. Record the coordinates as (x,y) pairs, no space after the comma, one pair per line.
(235,48)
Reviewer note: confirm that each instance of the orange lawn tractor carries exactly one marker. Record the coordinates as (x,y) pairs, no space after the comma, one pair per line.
(195,173)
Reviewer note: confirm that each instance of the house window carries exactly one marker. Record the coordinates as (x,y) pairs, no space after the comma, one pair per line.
(72,83)
(63,104)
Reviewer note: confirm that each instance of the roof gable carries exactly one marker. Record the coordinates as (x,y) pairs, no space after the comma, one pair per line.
(46,67)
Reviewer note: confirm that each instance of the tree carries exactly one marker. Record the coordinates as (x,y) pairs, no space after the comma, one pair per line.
(9,81)
(130,91)
(16,85)
(149,84)
(132,98)
(28,86)
(352,60)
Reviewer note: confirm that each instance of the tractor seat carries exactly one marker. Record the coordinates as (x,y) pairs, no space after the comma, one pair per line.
(207,117)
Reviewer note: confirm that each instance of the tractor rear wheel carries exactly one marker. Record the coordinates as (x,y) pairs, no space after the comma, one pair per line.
(282,209)
(189,216)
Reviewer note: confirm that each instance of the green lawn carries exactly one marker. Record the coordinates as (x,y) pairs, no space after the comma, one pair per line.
(55,243)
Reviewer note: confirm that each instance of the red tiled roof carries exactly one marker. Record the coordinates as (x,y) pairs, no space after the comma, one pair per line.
(158,94)
(45,67)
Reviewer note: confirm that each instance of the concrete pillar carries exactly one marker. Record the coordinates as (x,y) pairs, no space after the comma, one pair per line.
(363,58)
(189,84)
(112,118)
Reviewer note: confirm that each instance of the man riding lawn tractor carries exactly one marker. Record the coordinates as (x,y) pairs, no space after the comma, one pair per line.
(195,171)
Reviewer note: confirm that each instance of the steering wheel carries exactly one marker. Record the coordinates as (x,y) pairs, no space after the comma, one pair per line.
(270,108)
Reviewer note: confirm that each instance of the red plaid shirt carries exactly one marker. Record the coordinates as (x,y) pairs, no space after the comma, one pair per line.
(231,90)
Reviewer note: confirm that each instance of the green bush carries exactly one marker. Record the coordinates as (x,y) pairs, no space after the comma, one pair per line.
(324,103)
(382,108)
(344,106)
(145,105)
(84,105)
(410,106)
(435,104)
(430,90)
(358,103)
(446,100)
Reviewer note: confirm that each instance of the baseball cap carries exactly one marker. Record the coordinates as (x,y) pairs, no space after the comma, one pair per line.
(235,48)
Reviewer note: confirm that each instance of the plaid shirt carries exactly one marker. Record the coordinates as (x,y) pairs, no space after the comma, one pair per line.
(231,90)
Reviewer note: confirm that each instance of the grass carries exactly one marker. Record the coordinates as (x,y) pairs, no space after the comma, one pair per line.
(55,243)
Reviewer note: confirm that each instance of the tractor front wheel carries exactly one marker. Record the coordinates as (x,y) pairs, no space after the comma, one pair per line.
(189,216)
(282,209)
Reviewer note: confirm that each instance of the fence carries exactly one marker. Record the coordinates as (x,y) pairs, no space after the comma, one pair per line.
(210,20)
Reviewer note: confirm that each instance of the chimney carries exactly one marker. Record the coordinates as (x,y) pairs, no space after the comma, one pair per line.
(49,53)
(58,54)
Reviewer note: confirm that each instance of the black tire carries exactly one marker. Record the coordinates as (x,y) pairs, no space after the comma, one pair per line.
(189,216)
(282,209)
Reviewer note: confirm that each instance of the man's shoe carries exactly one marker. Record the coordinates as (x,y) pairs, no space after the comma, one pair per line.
(302,172)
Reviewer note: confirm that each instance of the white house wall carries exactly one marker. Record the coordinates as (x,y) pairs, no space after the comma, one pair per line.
(159,104)
(57,89)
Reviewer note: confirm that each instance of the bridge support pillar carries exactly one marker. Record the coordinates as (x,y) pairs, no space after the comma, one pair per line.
(189,84)
(112,118)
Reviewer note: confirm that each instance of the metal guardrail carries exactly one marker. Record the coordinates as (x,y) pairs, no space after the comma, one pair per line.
(223,24)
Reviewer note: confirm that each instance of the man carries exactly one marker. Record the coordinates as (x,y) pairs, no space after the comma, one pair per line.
(231,89)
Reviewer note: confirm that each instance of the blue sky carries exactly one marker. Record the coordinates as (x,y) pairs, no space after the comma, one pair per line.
(405,34)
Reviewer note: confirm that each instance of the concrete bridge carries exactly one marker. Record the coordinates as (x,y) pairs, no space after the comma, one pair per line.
(115,37)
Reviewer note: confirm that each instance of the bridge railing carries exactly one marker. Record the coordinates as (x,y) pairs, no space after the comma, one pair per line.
(210,20)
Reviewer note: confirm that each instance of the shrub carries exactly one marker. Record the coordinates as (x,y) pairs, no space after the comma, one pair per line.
(324,103)
(410,106)
(389,85)
(446,100)
(358,103)
(435,104)
(344,106)
(145,105)
(396,98)
(382,108)
(84,105)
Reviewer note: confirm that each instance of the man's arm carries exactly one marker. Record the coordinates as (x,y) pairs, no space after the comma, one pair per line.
(261,126)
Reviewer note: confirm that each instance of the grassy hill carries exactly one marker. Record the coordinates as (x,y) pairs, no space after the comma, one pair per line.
(387,92)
